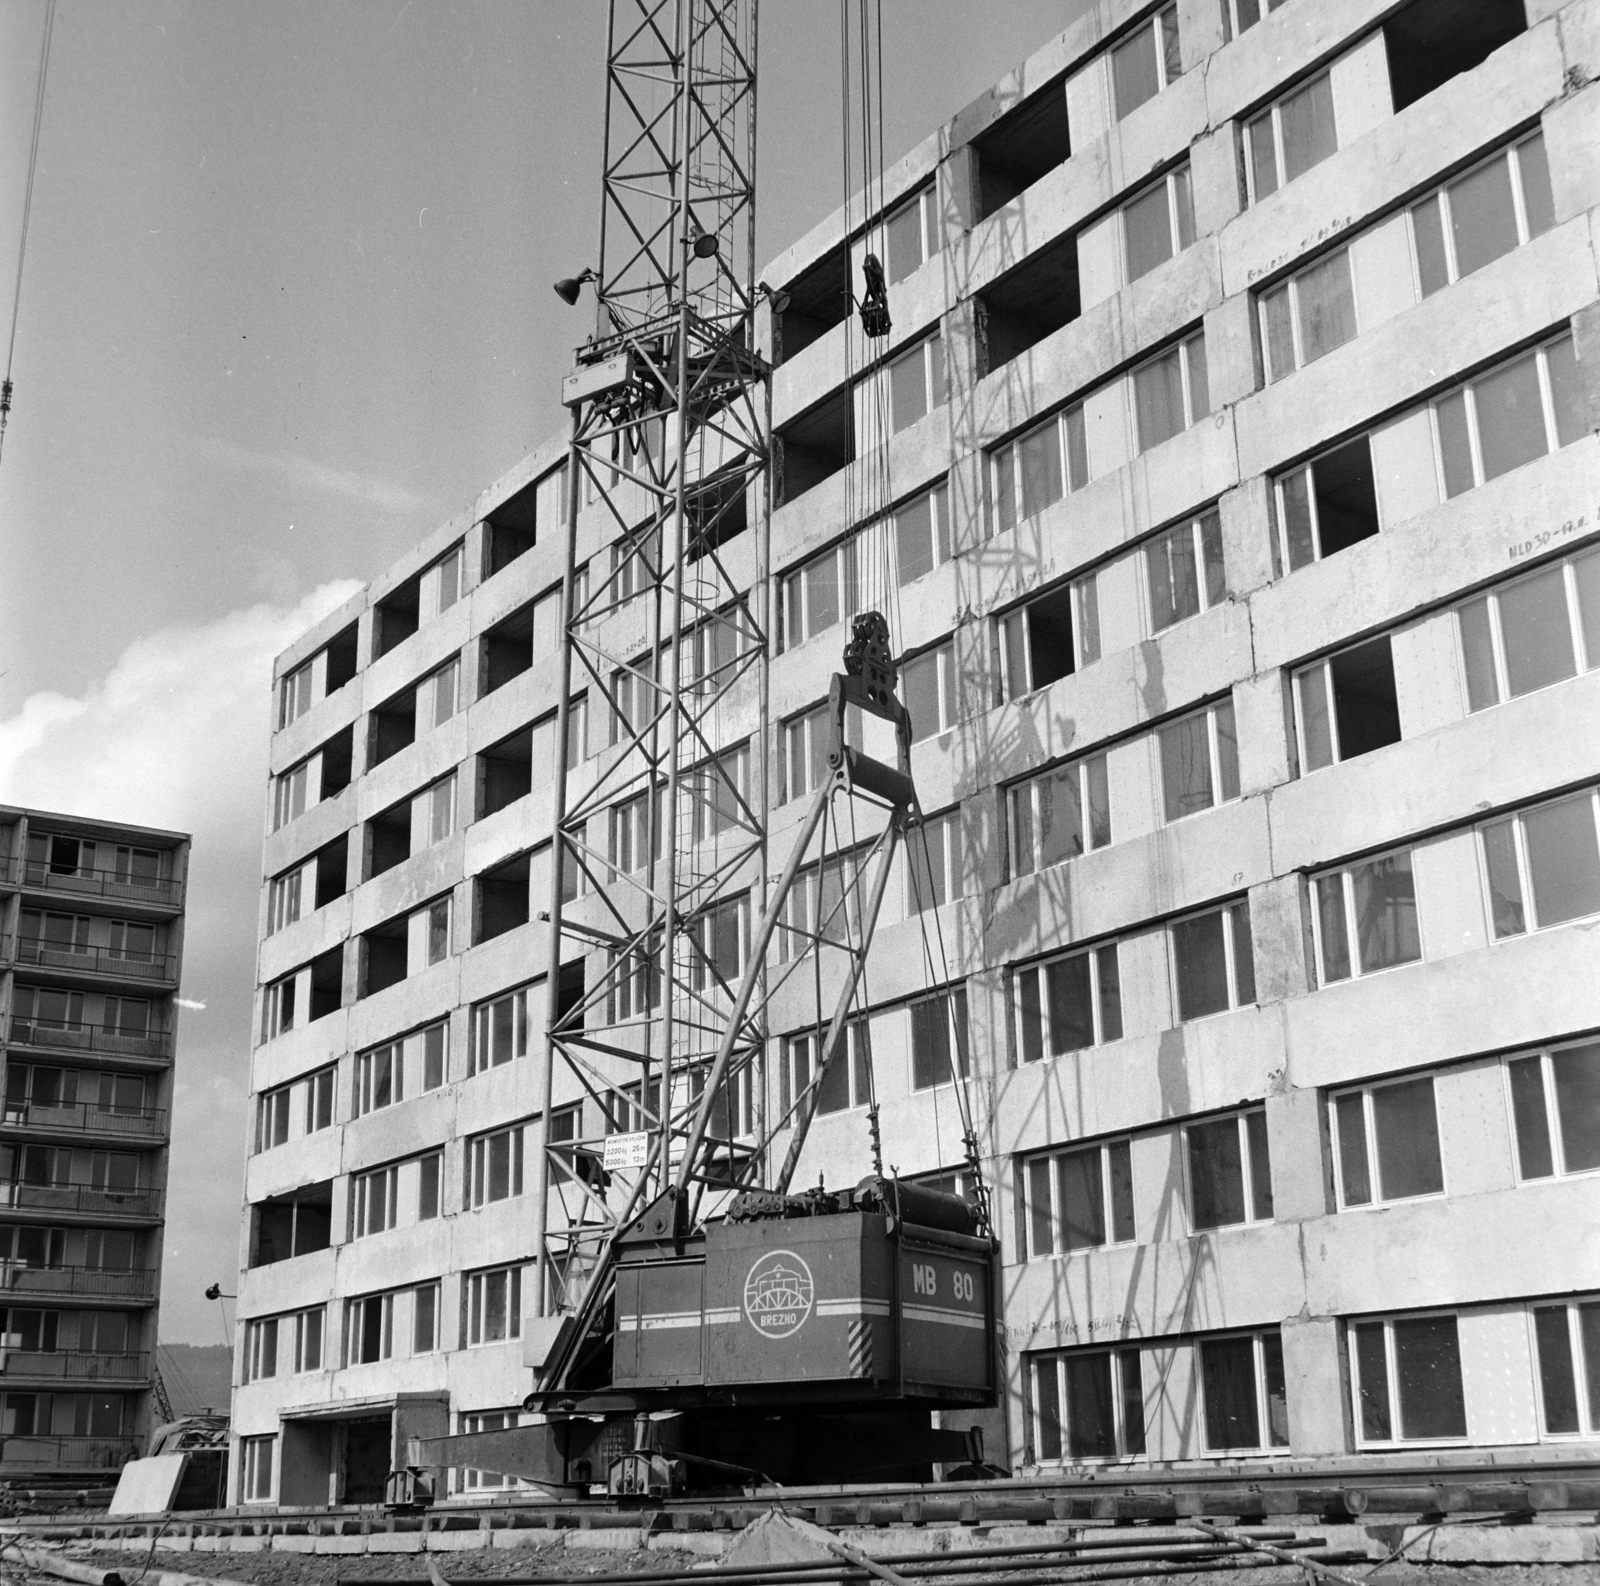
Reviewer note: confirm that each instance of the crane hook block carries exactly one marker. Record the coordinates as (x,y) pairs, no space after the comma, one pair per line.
(868,654)
(875,300)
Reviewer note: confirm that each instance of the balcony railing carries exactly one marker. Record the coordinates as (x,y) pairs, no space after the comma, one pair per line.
(41,875)
(100,961)
(73,1365)
(85,1117)
(58,1037)
(81,1198)
(65,1453)
(86,1282)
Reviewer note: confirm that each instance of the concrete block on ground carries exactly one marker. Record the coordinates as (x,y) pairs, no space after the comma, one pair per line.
(704,1544)
(396,1542)
(1512,1544)
(339,1544)
(248,1544)
(294,1544)
(607,1538)
(775,1538)
(458,1541)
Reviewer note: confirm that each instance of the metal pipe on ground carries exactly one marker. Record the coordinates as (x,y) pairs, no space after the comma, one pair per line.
(1282,1555)
(87,1575)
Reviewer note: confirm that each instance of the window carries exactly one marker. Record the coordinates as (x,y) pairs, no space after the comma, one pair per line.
(1158,223)
(1147,61)
(283,1345)
(369,1329)
(1170,392)
(1037,469)
(283,900)
(1086,1404)
(1543,865)
(1230,1171)
(920,534)
(1213,962)
(1533,632)
(933,862)
(916,383)
(1184,571)
(911,235)
(633,697)
(425,1318)
(577,729)
(319,1099)
(938,1028)
(1068,1003)
(1568,1341)
(442,690)
(1290,137)
(635,989)
(1477,218)
(1327,505)
(441,808)
(436,932)
(255,1469)
(277,1008)
(272,1118)
(379,1078)
(1241,1382)
(1509,416)
(1048,639)
(1555,1102)
(261,1349)
(848,1081)
(1308,315)
(493,1303)
(294,695)
(1080,1199)
(471,1479)
(493,1167)
(373,1198)
(1058,815)
(1366,918)
(1406,1379)
(289,795)
(824,904)
(1199,761)
(928,687)
(721,938)
(1346,705)
(720,789)
(430,1170)
(499,1031)
(632,822)
(447,572)
(1238,15)
(807,738)
(1385,1142)
(825,591)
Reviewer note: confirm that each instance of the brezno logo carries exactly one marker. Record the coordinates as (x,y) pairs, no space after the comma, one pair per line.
(778,1294)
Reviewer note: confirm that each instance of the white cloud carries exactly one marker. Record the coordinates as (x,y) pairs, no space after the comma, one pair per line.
(301,473)
(175,735)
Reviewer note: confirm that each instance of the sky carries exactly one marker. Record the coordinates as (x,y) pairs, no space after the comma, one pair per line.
(286,308)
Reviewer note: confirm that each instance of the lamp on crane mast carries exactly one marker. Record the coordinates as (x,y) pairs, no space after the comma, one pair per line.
(568,287)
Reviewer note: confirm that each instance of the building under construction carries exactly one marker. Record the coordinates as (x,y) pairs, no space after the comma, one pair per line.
(1226,476)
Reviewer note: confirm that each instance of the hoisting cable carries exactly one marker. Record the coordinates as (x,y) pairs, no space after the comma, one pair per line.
(27,208)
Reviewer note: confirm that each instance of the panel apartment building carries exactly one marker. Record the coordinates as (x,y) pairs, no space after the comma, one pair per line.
(1244,555)
(91,940)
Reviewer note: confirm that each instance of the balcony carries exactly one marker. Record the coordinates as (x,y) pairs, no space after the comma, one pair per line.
(88,1199)
(71,1365)
(54,1036)
(85,1117)
(100,962)
(10,870)
(82,1282)
(21,1454)
(41,875)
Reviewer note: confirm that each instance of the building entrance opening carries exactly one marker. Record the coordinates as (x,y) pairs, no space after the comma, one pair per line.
(366,1459)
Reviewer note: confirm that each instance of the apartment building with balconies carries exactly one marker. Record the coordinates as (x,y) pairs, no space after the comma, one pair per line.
(91,944)
(1240,547)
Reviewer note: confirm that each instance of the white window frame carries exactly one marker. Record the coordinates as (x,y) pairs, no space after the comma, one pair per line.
(1195,529)
(1247,1169)
(1297,336)
(1232,28)
(1468,388)
(1191,416)
(483,1030)
(1272,118)
(1219,796)
(1263,1405)
(476,1162)
(443,583)
(1280,511)
(284,895)
(849,1054)
(365,1079)
(1065,420)
(930,241)
(1119,1395)
(294,694)
(942,832)
(365,1210)
(1346,876)
(291,795)
(1096,992)
(443,791)
(473,1287)
(1057,1222)
(711,782)
(803,724)
(799,624)
(320,1085)
(1396,1439)
(1085,600)
(1552,1119)
(1379,1198)
(274,1109)
(356,1306)
(1512,154)
(1585,1367)
(1030,786)
(942,656)
(1151,23)
(257,1459)
(1583,661)
(1178,176)
(932,397)
(443,684)
(1530,904)
(1299,681)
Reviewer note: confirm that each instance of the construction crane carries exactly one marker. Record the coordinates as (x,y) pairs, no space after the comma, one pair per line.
(699,1321)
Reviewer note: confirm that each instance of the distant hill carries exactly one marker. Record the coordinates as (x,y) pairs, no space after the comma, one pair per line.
(198,1376)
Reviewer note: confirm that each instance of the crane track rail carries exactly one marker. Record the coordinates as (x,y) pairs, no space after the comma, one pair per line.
(1329,1492)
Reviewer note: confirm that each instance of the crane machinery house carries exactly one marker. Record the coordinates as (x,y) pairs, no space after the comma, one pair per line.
(1051,890)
